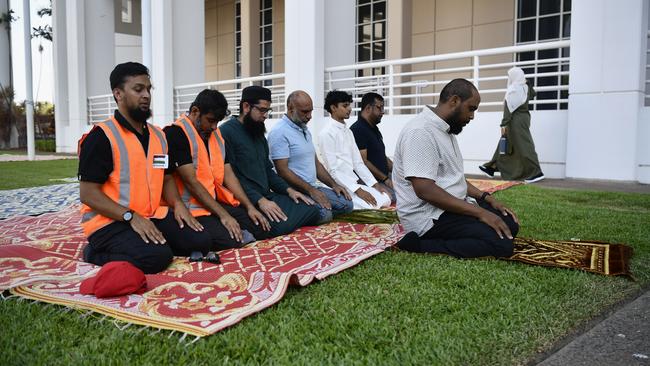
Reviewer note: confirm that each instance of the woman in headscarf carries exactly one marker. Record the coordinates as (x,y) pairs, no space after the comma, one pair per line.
(520,159)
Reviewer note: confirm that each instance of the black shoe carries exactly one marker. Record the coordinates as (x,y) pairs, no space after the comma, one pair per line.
(534,179)
(487,170)
(212,257)
(196,256)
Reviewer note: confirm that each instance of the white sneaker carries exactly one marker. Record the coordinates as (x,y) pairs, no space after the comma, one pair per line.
(534,179)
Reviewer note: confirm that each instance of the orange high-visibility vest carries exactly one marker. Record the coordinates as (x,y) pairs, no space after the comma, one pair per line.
(134,182)
(209,168)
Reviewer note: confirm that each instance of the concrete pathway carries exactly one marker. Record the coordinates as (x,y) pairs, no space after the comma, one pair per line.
(621,339)
(17,157)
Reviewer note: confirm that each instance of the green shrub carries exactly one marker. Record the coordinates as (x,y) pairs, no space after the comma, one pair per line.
(46,145)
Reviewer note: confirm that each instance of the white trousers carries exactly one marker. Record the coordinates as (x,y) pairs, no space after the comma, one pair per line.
(383,200)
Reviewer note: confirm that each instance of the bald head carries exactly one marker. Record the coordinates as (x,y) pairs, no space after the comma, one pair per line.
(299,107)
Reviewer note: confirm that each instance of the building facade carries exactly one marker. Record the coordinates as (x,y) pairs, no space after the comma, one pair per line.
(587,59)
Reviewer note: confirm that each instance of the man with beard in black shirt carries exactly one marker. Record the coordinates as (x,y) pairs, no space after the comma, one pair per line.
(248,152)
(124,174)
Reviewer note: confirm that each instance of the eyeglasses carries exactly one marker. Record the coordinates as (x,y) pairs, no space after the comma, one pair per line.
(262,109)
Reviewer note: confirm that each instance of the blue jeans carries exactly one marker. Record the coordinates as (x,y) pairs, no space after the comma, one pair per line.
(340,205)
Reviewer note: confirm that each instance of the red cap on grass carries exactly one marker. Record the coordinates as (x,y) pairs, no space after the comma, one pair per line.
(115,279)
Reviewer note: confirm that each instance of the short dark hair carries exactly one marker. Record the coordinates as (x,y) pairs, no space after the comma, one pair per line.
(461,87)
(210,101)
(124,70)
(336,97)
(369,99)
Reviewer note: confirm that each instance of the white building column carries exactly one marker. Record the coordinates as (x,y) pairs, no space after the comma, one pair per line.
(5,56)
(162,76)
(60,61)
(76,76)
(643,132)
(340,21)
(84,70)
(606,88)
(304,52)
(189,41)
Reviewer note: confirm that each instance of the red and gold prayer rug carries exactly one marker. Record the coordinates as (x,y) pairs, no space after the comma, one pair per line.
(40,258)
(493,185)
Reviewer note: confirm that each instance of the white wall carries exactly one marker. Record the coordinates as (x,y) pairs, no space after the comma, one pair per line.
(339,32)
(127,48)
(606,88)
(188,41)
(479,138)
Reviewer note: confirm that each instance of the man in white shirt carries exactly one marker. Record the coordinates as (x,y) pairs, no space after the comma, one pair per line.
(435,203)
(342,159)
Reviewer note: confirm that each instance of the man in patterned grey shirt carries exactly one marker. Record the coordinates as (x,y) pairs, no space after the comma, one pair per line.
(441,211)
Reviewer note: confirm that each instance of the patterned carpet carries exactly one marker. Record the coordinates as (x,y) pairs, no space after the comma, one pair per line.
(40,258)
(38,200)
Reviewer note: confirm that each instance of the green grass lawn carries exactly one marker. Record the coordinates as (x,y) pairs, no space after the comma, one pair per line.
(20,174)
(395,308)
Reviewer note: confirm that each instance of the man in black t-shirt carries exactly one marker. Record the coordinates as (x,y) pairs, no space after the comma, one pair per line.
(370,141)
(213,193)
(124,177)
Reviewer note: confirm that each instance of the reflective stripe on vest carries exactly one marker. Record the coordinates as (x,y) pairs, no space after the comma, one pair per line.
(208,165)
(192,204)
(223,194)
(127,182)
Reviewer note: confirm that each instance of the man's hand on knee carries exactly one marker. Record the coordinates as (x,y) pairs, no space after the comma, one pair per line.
(496,223)
(146,229)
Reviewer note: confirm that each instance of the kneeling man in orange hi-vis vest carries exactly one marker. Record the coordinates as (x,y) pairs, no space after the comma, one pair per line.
(125,175)
(205,179)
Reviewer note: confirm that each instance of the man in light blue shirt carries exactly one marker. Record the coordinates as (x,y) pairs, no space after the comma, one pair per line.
(293,153)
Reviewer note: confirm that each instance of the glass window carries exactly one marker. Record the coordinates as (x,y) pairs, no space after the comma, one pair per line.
(379,10)
(363,51)
(549,7)
(549,28)
(364,33)
(526,30)
(379,30)
(363,14)
(540,21)
(238,39)
(378,51)
(371,30)
(266,38)
(127,11)
(566,26)
(527,8)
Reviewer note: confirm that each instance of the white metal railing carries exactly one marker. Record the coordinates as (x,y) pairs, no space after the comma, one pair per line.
(184,95)
(406,88)
(100,108)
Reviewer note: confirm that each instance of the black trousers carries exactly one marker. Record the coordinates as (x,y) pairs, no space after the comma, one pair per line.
(118,242)
(466,237)
(298,215)
(219,234)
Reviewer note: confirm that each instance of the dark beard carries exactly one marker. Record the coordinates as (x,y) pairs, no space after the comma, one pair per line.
(254,128)
(140,115)
(455,127)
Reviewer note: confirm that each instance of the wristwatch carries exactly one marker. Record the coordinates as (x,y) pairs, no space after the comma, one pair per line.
(484,196)
(127,216)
